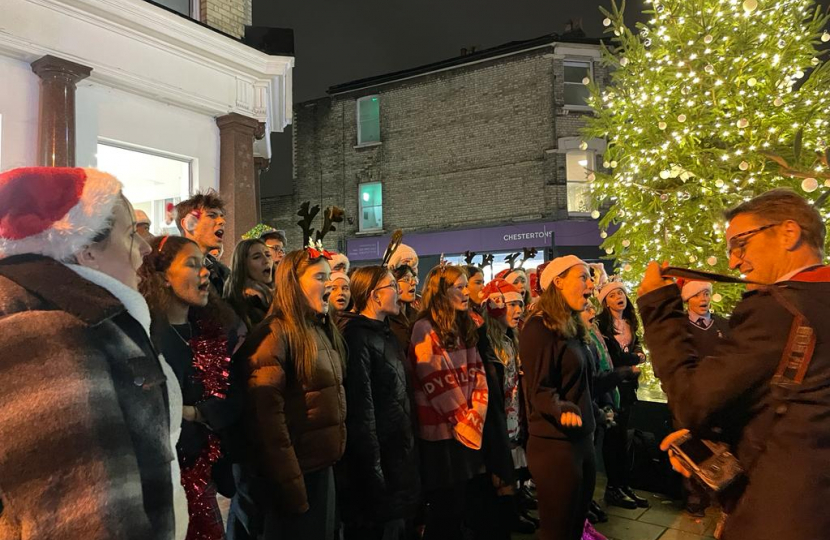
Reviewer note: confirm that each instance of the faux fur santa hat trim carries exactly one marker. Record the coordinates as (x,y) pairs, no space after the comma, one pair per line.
(403,255)
(609,288)
(54,211)
(339,258)
(693,288)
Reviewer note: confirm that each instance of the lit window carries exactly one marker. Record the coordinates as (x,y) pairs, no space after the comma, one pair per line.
(368,120)
(153,183)
(370,200)
(579,165)
(576,93)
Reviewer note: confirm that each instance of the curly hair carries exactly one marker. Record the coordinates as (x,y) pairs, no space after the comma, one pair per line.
(207,200)
(153,286)
(452,326)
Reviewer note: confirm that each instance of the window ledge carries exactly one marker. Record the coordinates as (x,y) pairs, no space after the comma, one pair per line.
(579,214)
(578,108)
(367,145)
(373,232)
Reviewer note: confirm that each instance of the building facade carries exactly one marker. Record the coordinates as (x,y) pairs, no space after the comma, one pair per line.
(163,95)
(481,152)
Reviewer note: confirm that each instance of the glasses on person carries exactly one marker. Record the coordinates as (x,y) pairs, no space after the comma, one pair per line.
(394,285)
(736,247)
(409,280)
(277,250)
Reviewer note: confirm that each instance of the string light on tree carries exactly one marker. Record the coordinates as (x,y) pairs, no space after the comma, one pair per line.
(709,103)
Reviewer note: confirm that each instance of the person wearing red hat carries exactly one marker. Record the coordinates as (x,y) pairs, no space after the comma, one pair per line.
(87,403)
(502,306)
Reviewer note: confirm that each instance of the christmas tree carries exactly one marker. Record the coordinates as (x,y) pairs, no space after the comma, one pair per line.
(710,103)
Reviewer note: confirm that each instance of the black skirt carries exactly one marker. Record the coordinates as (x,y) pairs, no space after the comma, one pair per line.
(448,463)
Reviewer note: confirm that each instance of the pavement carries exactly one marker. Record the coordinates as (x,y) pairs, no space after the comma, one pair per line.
(664,520)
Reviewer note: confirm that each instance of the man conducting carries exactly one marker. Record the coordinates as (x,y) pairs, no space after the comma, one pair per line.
(774,414)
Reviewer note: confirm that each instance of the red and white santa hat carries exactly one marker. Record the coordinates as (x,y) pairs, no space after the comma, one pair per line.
(511,276)
(693,288)
(54,211)
(497,294)
(339,258)
(403,255)
(556,267)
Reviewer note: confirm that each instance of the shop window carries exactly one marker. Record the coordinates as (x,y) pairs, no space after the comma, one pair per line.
(368,120)
(576,93)
(153,182)
(370,198)
(579,164)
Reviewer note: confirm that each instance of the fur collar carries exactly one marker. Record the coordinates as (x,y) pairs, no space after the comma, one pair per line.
(131,299)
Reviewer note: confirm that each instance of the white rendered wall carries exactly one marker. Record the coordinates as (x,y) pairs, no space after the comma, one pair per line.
(19,94)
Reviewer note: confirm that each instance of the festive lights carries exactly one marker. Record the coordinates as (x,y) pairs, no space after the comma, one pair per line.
(709,103)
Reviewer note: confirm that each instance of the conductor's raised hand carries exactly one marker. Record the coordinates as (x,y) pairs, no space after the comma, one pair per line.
(653,279)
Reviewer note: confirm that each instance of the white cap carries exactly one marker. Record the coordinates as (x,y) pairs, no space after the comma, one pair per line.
(609,287)
(556,267)
(693,288)
(339,275)
(404,255)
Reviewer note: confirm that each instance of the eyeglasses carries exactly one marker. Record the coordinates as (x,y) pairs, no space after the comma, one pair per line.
(391,285)
(736,247)
(276,249)
(409,280)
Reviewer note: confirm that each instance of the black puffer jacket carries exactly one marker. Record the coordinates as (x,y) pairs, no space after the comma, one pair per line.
(379,476)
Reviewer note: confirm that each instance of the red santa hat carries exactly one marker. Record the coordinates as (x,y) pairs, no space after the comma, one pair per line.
(693,288)
(54,211)
(339,258)
(511,276)
(497,294)
(556,267)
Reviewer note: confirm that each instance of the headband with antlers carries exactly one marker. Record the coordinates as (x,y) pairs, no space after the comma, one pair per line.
(394,244)
(529,253)
(511,259)
(331,215)
(486,260)
(469,256)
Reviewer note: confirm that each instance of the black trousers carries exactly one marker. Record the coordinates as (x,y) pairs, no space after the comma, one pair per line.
(615,450)
(316,524)
(565,474)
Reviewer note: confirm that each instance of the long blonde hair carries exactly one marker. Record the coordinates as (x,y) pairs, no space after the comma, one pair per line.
(450,324)
(296,318)
(557,314)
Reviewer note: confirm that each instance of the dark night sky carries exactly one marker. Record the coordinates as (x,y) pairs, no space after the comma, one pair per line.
(337,41)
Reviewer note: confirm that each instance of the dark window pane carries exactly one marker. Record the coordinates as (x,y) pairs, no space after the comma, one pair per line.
(182,6)
(576,73)
(576,94)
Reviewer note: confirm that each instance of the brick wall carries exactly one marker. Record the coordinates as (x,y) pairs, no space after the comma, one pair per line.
(469,147)
(228,16)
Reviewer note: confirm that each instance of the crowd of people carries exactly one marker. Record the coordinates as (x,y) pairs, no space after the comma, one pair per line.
(142,378)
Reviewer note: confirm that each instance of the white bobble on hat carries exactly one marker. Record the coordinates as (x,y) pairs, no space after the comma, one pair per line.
(693,288)
(556,267)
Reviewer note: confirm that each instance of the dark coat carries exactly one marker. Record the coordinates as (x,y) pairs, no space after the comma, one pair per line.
(495,446)
(291,428)
(380,470)
(558,378)
(625,358)
(85,421)
(401,325)
(219,273)
(784,443)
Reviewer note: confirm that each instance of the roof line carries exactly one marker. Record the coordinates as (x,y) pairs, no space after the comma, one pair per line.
(487,54)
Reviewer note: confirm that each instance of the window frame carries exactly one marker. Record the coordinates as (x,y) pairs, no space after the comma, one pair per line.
(590,167)
(581,62)
(360,141)
(360,208)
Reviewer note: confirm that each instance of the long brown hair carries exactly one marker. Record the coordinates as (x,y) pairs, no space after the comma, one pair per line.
(557,314)
(498,333)
(238,280)
(364,280)
(450,324)
(153,286)
(296,318)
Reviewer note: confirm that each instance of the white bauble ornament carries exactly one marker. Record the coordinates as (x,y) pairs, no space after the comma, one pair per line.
(603,234)
(586,81)
(692,259)
(613,164)
(665,174)
(825,37)
(595,214)
(583,145)
(709,69)
(661,125)
(592,177)
(626,243)
(708,39)
(716,297)
(623,61)
(606,22)
(681,118)
(778,102)
(712,261)
(743,166)
(609,251)
(750,5)
(743,122)
(627,267)
(809,185)
(752,81)
(606,164)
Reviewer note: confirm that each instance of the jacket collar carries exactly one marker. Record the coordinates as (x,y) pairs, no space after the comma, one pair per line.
(56,284)
(813,274)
